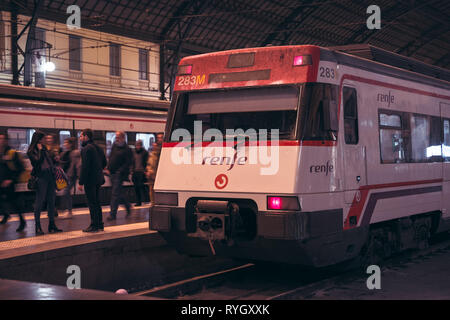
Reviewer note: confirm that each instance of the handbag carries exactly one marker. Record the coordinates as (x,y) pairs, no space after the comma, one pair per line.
(32,183)
(61,179)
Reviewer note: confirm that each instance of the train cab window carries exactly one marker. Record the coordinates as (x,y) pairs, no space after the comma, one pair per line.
(394,137)
(20,139)
(318,109)
(446,144)
(238,112)
(350,116)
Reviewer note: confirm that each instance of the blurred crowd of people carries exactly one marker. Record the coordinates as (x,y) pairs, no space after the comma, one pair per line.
(88,166)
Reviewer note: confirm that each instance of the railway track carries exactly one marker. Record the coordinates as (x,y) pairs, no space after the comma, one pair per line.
(280,282)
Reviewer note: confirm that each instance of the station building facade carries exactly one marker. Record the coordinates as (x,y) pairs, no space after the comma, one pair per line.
(84,60)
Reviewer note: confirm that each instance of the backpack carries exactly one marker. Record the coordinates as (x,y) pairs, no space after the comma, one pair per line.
(61,178)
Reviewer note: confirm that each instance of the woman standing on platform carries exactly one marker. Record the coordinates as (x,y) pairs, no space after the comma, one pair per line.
(43,170)
(70,161)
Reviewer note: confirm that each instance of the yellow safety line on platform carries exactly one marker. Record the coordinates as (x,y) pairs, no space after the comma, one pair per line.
(51,238)
(75,212)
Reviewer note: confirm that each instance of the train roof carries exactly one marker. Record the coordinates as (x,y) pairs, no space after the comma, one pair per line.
(377,60)
(365,57)
(78,98)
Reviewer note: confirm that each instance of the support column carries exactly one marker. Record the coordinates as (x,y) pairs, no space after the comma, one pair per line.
(162,72)
(28,68)
(14,47)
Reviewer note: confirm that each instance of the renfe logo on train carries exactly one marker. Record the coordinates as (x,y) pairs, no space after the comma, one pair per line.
(322,168)
(382,97)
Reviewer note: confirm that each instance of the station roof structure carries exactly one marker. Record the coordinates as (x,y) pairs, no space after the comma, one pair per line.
(415,28)
(420,29)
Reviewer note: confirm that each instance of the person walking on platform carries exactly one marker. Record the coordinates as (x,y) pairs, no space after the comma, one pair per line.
(152,166)
(43,170)
(70,161)
(54,151)
(138,171)
(93,161)
(11,166)
(120,160)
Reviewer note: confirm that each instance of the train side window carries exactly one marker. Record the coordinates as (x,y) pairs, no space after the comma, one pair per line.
(446,144)
(147,139)
(350,116)
(434,150)
(63,135)
(394,137)
(420,137)
(20,139)
(131,139)
(425,138)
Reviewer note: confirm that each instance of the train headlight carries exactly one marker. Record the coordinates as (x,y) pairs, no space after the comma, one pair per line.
(282,203)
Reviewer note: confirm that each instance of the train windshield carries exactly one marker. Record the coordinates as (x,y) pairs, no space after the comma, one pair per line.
(250,112)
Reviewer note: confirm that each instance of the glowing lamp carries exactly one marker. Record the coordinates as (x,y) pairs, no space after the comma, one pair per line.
(50,66)
(274,203)
(302,60)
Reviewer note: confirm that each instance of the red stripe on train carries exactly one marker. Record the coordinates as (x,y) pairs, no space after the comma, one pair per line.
(281,143)
(358,206)
(77,117)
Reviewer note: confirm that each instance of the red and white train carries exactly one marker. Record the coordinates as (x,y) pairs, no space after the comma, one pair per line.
(363,159)
(65,113)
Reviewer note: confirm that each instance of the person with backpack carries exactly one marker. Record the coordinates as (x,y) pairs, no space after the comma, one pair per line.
(70,161)
(11,166)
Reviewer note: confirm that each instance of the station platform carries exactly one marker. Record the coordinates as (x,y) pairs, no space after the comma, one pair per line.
(118,257)
(79,220)
(126,255)
(19,290)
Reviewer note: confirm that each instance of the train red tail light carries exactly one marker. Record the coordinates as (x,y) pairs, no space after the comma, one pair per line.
(302,60)
(185,70)
(274,203)
(282,203)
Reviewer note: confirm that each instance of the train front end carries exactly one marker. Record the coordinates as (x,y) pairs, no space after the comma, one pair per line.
(240,172)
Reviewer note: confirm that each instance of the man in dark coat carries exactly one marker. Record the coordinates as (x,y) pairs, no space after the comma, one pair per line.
(93,161)
(138,170)
(11,167)
(120,160)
